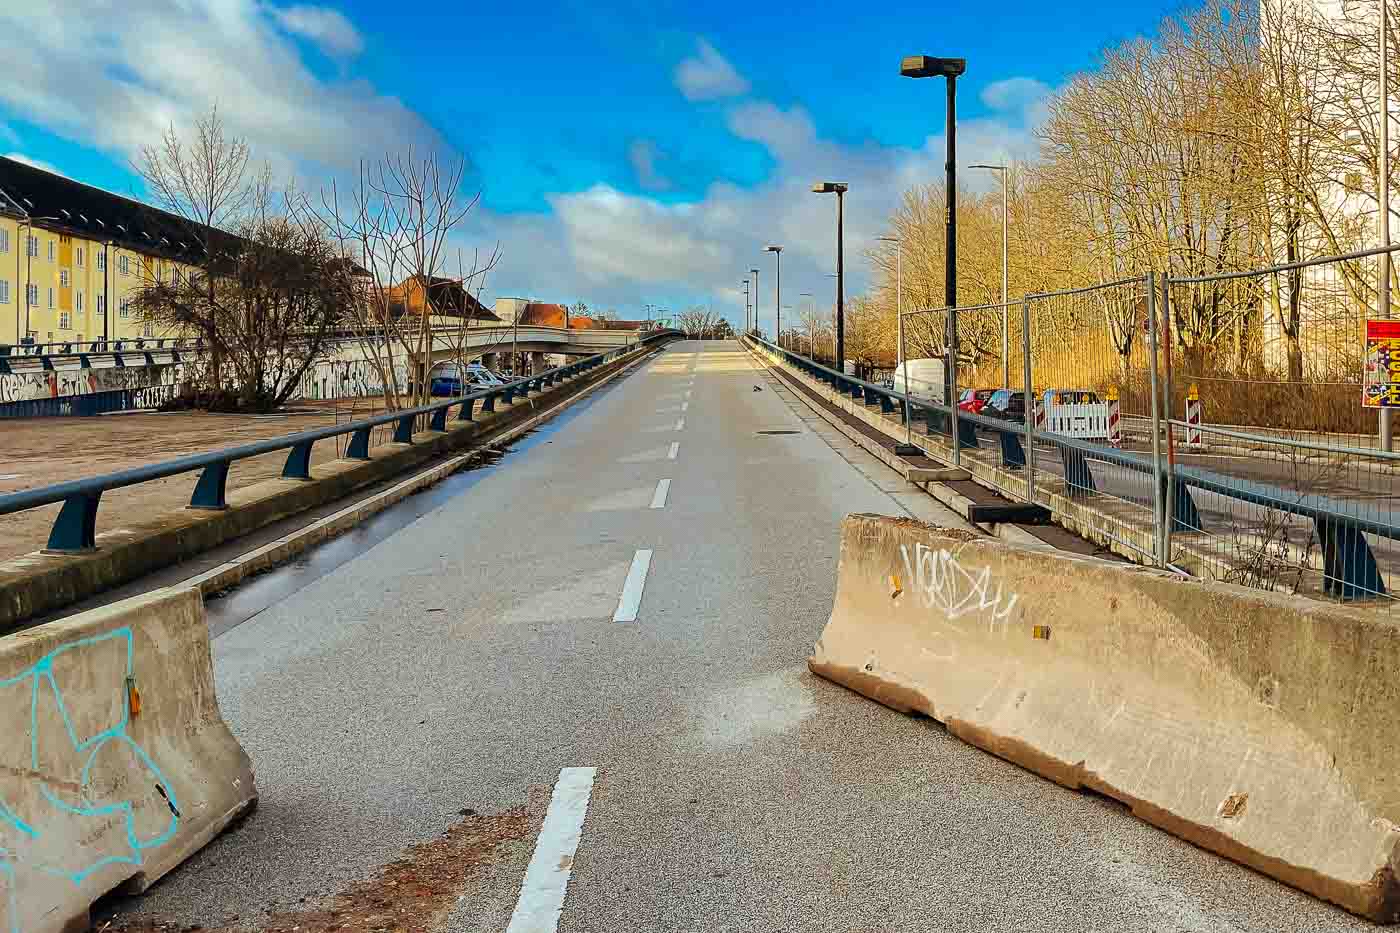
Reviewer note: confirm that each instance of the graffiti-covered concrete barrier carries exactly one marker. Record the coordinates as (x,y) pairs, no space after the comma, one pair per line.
(115,764)
(1257,725)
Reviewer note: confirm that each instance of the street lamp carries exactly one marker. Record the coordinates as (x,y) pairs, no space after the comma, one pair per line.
(746,303)
(777,251)
(925,66)
(756,328)
(1005,295)
(901,360)
(839,189)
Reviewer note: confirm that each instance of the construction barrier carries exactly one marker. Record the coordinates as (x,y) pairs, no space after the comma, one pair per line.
(115,764)
(1258,725)
(1115,425)
(1193,417)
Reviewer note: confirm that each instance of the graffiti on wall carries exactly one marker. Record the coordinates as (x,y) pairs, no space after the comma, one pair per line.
(942,583)
(20,387)
(83,770)
(348,379)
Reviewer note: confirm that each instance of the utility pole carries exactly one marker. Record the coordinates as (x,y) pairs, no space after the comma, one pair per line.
(1383,213)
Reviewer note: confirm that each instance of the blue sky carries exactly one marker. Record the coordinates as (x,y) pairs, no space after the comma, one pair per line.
(626,152)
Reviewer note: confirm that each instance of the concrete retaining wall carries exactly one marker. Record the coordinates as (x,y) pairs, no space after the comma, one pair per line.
(115,763)
(1259,726)
(37,583)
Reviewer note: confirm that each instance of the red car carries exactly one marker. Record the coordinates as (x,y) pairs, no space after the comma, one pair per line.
(972,400)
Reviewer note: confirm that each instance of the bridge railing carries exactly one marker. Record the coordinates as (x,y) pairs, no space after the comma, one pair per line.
(1154,495)
(74,530)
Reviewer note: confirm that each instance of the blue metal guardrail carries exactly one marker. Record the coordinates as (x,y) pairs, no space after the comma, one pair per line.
(74,531)
(1349,567)
(92,403)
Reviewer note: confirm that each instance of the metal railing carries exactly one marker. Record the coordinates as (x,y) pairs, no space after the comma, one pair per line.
(91,403)
(1268,529)
(74,530)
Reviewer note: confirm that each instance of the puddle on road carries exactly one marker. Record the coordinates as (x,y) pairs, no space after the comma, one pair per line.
(765,706)
(252,596)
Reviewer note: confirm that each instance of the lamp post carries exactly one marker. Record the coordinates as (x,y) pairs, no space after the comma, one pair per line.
(839,189)
(1383,196)
(1005,322)
(777,252)
(746,304)
(925,66)
(756,328)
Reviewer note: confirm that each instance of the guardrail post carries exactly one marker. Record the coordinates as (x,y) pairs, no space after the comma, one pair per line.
(886,406)
(298,464)
(439,422)
(967,435)
(1013,455)
(1349,567)
(465,412)
(1185,516)
(75,529)
(1079,479)
(403,430)
(359,445)
(488,404)
(1159,485)
(210,491)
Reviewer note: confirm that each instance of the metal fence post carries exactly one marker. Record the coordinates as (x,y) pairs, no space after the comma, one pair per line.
(1159,501)
(1030,397)
(950,379)
(1169,488)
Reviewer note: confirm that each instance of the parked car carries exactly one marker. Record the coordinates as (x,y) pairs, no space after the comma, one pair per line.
(973,400)
(446,387)
(1006,404)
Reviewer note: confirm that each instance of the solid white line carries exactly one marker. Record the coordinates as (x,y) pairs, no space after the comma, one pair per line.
(680,424)
(685,406)
(675,449)
(631,599)
(547,878)
(658,499)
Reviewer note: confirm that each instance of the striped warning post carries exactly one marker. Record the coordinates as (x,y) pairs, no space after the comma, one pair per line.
(1193,417)
(1039,414)
(1115,429)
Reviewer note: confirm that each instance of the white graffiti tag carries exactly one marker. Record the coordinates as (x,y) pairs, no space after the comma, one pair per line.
(943,583)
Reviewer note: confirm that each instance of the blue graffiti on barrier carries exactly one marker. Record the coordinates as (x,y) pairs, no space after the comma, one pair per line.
(40,677)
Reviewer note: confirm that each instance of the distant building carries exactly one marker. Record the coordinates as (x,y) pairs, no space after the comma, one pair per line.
(437,297)
(72,257)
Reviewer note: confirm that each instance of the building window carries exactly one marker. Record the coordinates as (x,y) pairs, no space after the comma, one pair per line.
(4,241)
(124,265)
(101,304)
(82,254)
(52,246)
(31,245)
(31,295)
(51,298)
(160,269)
(148,330)
(4,292)
(124,307)
(102,261)
(65,321)
(66,281)
(80,298)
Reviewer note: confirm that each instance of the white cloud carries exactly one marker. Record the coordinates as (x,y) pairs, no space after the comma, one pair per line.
(117,82)
(37,163)
(331,31)
(613,248)
(709,76)
(643,154)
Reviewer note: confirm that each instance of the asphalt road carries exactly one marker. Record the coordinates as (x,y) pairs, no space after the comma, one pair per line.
(465,659)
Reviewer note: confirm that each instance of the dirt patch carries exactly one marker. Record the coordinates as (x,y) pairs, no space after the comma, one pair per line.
(414,893)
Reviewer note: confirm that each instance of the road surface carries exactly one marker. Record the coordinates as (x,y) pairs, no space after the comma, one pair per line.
(456,666)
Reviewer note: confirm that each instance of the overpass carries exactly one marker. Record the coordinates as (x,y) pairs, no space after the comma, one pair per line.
(569,690)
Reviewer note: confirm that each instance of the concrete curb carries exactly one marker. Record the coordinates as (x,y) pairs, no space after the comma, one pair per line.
(945,495)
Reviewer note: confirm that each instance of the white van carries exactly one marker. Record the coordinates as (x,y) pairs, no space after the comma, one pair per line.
(925,379)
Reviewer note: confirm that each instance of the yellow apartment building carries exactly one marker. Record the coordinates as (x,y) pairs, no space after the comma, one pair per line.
(72,256)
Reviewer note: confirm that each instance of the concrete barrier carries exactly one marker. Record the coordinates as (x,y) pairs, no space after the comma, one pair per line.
(115,764)
(1256,725)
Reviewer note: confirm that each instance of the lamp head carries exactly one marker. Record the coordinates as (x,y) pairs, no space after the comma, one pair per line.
(829,187)
(773,249)
(926,66)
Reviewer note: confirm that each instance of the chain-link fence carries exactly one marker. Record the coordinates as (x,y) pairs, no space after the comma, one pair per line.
(1212,425)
